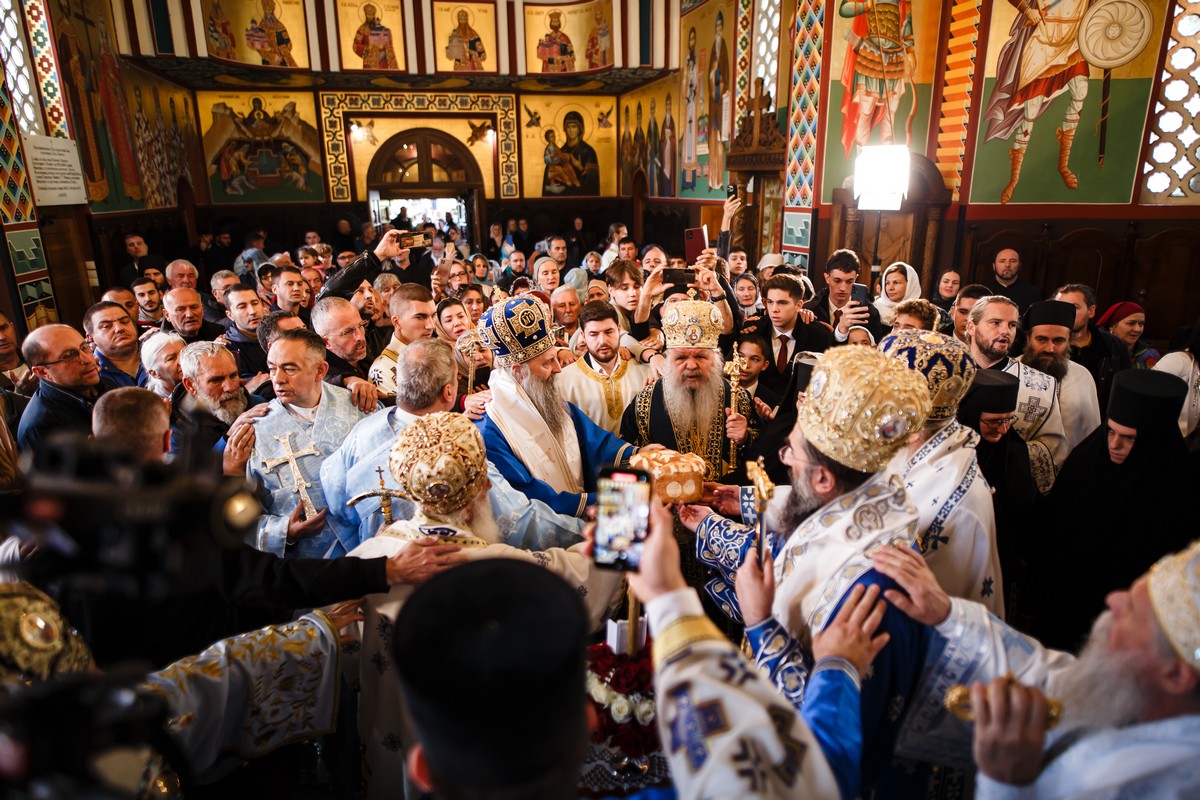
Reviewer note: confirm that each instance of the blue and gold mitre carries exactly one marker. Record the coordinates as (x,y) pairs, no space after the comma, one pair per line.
(943,360)
(516,330)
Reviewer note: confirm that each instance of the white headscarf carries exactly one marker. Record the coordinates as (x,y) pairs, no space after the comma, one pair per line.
(887,308)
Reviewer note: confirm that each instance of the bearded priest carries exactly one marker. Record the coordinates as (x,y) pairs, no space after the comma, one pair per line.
(692,408)
(545,447)
(438,461)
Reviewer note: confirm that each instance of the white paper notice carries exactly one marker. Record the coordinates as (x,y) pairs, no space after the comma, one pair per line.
(54,167)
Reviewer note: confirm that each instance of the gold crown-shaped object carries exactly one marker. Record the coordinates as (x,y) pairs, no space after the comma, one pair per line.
(861,406)
(944,361)
(1174,584)
(692,323)
(439,462)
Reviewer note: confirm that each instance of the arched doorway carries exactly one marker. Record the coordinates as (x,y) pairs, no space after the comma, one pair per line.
(425,165)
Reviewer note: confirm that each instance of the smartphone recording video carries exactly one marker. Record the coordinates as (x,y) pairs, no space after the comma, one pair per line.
(622,518)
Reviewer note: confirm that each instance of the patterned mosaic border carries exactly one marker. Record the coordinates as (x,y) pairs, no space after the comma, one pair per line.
(45,66)
(16,193)
(957,81)
(807,42)
(334,106)
(741,94)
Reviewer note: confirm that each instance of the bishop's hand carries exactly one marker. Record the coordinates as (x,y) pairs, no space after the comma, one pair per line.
(692,516)
(923,598)
(1010,730)
(851,635)
(736,427)
(755,587)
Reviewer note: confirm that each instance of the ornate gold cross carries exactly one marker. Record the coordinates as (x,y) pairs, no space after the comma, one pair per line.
(289,458)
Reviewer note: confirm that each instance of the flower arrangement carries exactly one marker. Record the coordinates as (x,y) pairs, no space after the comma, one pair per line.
(621,688)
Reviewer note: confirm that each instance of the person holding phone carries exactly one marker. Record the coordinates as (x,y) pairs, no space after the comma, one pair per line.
(844,302)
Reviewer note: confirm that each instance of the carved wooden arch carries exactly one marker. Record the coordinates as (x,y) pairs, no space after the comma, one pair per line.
(425,137)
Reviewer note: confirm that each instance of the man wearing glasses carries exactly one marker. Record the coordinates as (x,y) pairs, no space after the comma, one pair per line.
(69,384)
(338,323)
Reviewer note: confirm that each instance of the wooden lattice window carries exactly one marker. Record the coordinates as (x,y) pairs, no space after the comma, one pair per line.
(1171,174)
(18,73)
(766,43)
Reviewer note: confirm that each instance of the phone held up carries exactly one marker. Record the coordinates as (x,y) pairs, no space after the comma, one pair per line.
(694,242)
(411,240)
(622,517)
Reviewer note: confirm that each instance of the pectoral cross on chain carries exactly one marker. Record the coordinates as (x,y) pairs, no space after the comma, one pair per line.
(289,458)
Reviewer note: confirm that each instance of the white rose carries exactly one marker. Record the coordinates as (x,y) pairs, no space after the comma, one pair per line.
(622,709)
(597,690)
(645,712)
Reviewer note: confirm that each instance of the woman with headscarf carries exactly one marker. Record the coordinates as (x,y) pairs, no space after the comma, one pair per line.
(989,409)
(453,324)
(493,245)
(1115,509)
(900,283)
(1127,321)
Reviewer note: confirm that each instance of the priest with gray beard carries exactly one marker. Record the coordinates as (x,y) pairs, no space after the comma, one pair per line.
(692,408)
(545,447)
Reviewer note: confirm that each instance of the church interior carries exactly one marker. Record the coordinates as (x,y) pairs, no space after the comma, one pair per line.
(189,118)
(902,477)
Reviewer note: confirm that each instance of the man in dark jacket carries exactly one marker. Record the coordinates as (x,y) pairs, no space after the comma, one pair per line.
(211,409)
(1101,353)
(785,331)
(69,383)
(184,314)
(838,305)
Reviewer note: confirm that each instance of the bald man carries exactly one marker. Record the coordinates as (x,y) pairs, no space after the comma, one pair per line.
(68,384)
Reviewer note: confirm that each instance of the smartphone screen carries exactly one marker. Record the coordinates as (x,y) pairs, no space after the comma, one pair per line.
(622,518)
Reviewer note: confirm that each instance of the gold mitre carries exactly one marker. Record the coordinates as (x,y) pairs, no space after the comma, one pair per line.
(439,462)
(692,323)
(861,406)
(1174,584)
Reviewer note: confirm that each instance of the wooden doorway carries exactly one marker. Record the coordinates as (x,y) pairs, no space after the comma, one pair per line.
(425,163)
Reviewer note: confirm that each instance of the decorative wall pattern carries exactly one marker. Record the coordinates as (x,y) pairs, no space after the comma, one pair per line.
(18,221)
(1171,174)
(335,107)
(957,80)
(808,40)
(16,194)
(741,91)
(45,65)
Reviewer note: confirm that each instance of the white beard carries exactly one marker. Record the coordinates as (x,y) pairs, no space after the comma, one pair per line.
(544,395)
(478,519)
(1102,689)
(695,409)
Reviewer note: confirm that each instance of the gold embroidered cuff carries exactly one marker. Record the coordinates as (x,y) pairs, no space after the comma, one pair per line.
(681,634)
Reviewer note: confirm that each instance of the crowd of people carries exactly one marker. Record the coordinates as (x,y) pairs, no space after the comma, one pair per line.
(970,487)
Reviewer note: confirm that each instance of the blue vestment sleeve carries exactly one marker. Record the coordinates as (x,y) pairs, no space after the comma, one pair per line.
(530,524)
(599,447)
(781,657)
(342,519)
(832,710)
(500,453)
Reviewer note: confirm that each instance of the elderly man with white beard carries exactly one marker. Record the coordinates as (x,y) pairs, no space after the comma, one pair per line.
(1130,702)
(1048,348)
(692,408)
(942,476)
(211,409)
(439,461)
(545,447)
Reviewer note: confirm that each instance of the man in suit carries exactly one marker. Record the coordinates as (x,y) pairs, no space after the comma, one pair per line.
(788,329)
(836,306)
(755,353)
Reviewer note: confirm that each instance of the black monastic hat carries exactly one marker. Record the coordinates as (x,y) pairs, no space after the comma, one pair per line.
(1146,399)
(491,657)
(1050,312)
